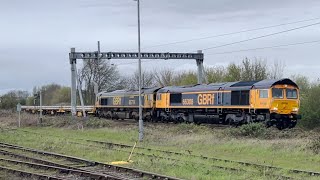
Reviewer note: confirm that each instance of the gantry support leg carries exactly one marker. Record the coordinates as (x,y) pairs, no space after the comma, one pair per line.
(200,68)
(73,63)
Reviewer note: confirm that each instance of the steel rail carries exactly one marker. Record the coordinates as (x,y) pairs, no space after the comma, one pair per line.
(135,172)
(311,173)
(261,166)
(29,174)
(64,170)
(36,160)
(192,162)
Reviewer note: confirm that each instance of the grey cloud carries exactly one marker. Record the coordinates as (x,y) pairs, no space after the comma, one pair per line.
(36,35)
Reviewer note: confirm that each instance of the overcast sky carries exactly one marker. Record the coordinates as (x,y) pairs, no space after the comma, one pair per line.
(36,35)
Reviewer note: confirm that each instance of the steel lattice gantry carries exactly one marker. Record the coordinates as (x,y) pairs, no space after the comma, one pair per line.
(73,56)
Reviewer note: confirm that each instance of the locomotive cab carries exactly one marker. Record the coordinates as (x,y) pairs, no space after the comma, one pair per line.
(284,100)
(284,106)
(278,102)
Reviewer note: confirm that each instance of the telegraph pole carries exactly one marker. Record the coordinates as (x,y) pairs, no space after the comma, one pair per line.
(73,63)
(40,94)
(139,84)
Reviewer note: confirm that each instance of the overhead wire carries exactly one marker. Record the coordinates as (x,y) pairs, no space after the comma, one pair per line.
(242,50)
(231,33)
(262,48)
(250,39)
(263,36)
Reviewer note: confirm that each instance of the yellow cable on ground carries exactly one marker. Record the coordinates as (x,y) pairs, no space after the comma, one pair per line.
(129,159)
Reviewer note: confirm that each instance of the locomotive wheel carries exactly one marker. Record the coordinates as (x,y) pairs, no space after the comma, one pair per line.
(226,122)
(231,122)
(197,122)
(135,117)
(155,120)
(286,124)
(292,124)
(280,125)
(268,124)
(98,114)
(180,120)
(163,119)
(148,118)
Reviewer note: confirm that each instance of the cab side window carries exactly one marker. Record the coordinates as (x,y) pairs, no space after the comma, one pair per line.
(263,93)
(158,96)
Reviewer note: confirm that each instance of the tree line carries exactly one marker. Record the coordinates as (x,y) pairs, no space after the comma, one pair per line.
(106,77)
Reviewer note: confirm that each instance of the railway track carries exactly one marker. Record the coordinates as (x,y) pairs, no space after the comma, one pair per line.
(213,166)
(72,168)
(172,155)
(259,166)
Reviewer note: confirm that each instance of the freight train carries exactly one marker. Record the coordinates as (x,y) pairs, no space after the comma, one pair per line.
(274,102)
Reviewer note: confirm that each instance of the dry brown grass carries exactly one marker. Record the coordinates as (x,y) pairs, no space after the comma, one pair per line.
(10,118)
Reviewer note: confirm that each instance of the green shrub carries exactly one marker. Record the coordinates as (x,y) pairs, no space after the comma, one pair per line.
(96,123)
(189,128)
(254,130)
(309,108)
(314,145)
(68,122)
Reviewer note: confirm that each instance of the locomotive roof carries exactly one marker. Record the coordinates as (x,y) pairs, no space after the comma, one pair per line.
(129,92)
(239,85)
(271,82)
(193,88)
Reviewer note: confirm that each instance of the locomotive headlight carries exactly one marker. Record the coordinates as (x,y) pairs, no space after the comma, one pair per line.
(275,109)
(295,109)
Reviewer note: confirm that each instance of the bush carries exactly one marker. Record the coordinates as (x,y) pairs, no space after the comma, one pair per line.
(309,109)
(96,123)
(189,129)
(68,122)
(254,130)
(314,145)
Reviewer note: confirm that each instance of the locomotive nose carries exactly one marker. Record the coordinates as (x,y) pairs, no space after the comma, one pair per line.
(284,106)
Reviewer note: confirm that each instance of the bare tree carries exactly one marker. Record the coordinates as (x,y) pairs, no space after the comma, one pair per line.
(97,71)
(247,70)
(276,70)
(164,77)
(233,73)
(12,98)
(185,78)
(147,78)
(215,74)
(253,70)
(303,82)
(260,70)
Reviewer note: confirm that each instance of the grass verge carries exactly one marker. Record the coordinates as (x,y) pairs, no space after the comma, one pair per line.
(290,149)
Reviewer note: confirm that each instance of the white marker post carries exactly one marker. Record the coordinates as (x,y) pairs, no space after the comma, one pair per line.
(19,112)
